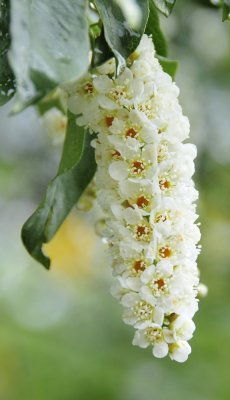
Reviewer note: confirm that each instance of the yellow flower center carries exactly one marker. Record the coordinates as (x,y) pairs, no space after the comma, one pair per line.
(161,217)
(89,88)
(131,132)
(143,232)
(153,335)
(139,266)
(143,311)
(137,167)
(109,120)
(164,184)
(116,155)
(142,201)
(165,252)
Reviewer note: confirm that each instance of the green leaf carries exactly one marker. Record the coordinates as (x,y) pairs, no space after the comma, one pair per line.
(206,3)
(164,6)
(226,10)
(169,66)
(76,170)
(224,4)
(50,46)
(7,80)
(122,32)
(153,29)
(101,51)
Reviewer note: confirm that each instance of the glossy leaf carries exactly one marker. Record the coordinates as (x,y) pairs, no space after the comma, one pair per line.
(50,46)
(101,51)
(77,168)
(153,29)
(226,10)
(122,33)
(206,3)
(169,66)
(7,80)
(164,6)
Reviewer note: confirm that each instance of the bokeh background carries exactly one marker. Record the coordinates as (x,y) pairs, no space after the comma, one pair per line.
(61,333)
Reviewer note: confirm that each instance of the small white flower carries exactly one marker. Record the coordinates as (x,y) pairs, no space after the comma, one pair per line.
(153,335)
(181,328)
(202,290)
(179,351)
(55,123)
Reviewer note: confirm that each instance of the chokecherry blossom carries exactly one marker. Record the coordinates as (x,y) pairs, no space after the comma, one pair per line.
(145,189)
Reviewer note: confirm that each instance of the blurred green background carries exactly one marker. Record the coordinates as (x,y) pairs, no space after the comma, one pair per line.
(61,333)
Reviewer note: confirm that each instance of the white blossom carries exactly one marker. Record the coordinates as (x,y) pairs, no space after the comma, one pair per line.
(145,189)
(55,123)
(179,351)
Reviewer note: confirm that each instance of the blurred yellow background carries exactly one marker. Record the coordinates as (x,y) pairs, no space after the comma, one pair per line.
(61,333)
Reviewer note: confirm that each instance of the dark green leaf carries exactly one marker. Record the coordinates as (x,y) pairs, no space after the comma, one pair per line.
(121,32)
(7,80)
(164,6)
(226,10)
(206,3)
(169,66)
(50,45)
(77,168)
(153,28)
(224,4)
(101,51)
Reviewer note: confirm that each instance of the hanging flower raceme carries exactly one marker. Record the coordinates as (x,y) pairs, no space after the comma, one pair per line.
(147,194)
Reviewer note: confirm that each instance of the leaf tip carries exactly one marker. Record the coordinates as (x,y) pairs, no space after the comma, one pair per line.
(35,251)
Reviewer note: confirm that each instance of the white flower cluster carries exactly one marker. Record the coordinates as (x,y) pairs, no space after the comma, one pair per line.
(146,191)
